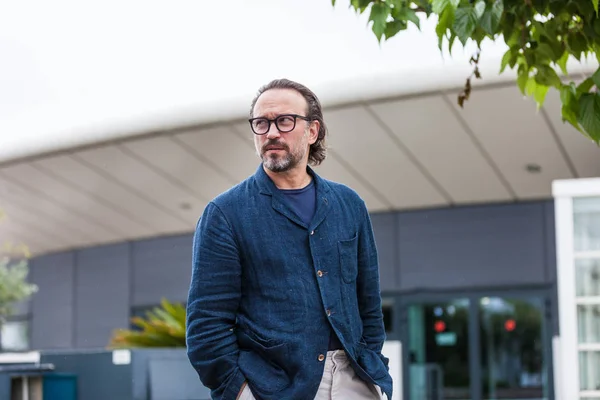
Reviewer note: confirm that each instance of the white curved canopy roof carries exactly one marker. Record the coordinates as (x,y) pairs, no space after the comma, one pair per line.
(121,120)
(77,73)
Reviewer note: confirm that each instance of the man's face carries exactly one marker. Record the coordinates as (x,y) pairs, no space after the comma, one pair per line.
(281,152)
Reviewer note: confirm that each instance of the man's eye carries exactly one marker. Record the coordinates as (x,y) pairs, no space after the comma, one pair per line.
(260,123)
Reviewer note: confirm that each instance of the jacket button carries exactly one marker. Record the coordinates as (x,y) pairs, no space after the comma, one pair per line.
(320,273)
(329,313)
(321,357)
(312,233)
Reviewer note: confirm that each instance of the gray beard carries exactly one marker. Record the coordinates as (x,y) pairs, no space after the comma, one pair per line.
(285,163)
(280,164)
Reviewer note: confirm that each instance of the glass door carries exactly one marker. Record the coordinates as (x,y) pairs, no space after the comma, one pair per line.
(477,347)
(439,346)
(513,365)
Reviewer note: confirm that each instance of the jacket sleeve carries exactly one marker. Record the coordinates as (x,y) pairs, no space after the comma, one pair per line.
(213,300)
(369,295)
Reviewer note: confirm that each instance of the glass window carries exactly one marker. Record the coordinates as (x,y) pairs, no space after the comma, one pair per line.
(587,223)
(587,277)
(588,321)
(14,336)
(589,370)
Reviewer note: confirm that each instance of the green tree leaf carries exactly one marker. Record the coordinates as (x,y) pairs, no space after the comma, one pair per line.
(539,94)
(596,78)
(445,23)
(360,5)
(589,115)
(577,44)
(568,95)
(547,76)
(479,8)
(545,52)
(522,79)
(439,6)
(379,14)
(465,21)
(490,20)
(407,14)
(393,27)
(530,86)
(595,4)
(570,116)
(505,60)
(585,86)
(562,62)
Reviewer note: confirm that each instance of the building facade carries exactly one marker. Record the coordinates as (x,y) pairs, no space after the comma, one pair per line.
(469,292)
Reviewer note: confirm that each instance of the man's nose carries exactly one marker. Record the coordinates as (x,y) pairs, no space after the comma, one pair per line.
(273,132)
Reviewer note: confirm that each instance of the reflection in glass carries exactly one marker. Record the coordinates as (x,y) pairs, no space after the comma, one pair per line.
(589,370)
(586,223)
(387,307)
(512,356)
(439,351)
(588,321)
(587,277)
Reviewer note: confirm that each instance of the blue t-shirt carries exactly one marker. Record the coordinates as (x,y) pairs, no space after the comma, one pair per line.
(303,202)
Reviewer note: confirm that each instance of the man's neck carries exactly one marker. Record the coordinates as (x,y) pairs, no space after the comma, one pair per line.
(296,178)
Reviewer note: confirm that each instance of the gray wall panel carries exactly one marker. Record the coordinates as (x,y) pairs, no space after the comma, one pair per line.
(472,246)
(22,307)
(52,306)
(384,228)
(162,267)
(550,245)
(101,294)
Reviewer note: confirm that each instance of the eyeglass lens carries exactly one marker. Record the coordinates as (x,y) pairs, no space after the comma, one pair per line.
(284,123)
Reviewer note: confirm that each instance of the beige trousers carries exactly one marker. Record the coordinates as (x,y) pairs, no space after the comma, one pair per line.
(339,382)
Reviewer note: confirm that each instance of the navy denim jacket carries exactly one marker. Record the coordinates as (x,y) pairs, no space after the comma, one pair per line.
(265,286)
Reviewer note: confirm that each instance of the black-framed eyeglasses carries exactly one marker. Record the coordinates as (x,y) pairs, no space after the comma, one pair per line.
(284,123)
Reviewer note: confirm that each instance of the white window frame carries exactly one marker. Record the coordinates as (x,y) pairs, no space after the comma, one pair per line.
(567,371)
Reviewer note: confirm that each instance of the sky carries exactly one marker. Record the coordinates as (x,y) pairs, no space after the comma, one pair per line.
(74,72)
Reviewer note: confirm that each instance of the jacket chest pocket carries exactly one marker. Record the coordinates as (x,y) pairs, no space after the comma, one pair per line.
(348,255)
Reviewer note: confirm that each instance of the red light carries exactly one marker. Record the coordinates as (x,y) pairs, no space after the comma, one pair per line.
(439,326)
(510,325)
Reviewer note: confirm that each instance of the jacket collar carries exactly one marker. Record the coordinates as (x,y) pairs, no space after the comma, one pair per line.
(266,185)
(279,204)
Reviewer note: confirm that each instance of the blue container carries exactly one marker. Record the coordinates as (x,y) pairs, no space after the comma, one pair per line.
(60,387)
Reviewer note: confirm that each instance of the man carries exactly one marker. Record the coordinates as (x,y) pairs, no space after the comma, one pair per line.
(284,301)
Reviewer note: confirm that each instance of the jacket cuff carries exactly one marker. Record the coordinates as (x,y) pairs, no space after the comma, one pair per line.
(235,384)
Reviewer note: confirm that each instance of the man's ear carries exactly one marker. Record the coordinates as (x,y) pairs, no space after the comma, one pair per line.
(313,131)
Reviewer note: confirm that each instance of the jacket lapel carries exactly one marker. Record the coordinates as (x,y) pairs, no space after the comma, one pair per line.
(323,203)
(282,207)
(267,187)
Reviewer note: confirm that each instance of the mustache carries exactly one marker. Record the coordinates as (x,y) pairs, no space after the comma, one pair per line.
(274,143)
